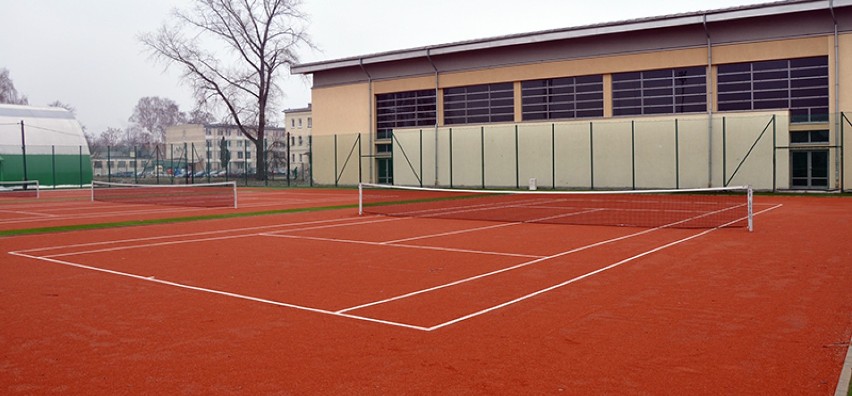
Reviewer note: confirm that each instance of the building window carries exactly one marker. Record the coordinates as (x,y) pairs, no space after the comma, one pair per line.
(800,85)
(569,97)
(477,104)
(309,123)
(665,91)
(300,122)
(294,157)
(248,154)
(292,123)
(809,137)
(300,140)
(404,110)
(239,155)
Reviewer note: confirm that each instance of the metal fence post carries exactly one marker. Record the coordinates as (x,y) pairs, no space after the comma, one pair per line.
(135,165)
(335,160)
(482,152)
(553,155)
(451,157)
(53,164)
(24,151)
(677,155)
(724,152)
(517,161)
(109,163)
(591,156)
(633,152)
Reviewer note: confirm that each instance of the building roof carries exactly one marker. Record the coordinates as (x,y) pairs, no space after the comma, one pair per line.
(674,20)
(299,110)
(43,126)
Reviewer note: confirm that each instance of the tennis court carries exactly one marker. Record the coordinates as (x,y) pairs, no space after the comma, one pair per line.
(56,208)
(333,301)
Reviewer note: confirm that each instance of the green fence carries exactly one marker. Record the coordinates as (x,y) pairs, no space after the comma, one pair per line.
(52,166)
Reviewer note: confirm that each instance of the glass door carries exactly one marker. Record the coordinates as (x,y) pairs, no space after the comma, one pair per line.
(809,169)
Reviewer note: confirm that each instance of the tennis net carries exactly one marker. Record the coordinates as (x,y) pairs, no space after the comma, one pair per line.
(207,195)
(19,189)
(684,208)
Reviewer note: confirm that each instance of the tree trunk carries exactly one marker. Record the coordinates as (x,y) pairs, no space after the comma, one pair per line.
(260,158)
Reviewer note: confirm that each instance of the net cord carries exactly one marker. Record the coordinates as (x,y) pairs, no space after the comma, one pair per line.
(748,189)
(231,184)
(558,192)
(34,183)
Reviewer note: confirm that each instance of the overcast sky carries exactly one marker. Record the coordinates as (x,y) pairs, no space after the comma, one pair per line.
(86,52)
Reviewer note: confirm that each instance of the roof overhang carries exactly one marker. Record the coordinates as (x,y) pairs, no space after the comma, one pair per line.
(693,18)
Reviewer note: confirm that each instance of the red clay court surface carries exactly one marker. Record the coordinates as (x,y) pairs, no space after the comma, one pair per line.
(75,207)
(330,302)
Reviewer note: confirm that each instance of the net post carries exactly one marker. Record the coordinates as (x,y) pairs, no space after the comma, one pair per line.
(750,209)
(38,188)
(234,186)
(360,199)
(93,191)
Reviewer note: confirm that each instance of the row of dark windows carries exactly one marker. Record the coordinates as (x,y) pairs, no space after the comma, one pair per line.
(667,91)
(569,97)
(405,110)
(800,85)
(478,104)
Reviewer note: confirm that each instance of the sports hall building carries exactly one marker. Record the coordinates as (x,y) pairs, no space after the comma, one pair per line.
(757,95)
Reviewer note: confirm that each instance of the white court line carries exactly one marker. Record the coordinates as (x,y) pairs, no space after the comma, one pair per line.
(147,245)
(524,264)
(37,214)
(480,276)
(219,292)
(586,275)
(436,248)
(342,313)
(484,228)
(255,228)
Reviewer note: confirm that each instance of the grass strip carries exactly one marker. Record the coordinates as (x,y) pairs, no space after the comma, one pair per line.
(135,223)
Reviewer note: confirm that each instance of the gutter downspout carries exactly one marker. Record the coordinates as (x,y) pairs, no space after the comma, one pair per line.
(429,58)
(837,138)
(370,127)
(710,93)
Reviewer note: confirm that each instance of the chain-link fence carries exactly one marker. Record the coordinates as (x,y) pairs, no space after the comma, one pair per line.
(189,163)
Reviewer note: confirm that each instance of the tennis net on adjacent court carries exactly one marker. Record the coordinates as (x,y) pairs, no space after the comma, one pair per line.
(684,208)
(19,189)
(208,195)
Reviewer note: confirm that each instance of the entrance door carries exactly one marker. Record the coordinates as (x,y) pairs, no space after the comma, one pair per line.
(809,169)
(385,168)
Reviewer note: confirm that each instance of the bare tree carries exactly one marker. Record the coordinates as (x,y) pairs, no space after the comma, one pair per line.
(8,93)
(199,116)
(110,137)
(135,135)
(154,114)
(262,37)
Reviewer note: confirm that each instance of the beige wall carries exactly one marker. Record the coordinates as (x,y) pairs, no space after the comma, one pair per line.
(845,98)
(348,109)
(341,109)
